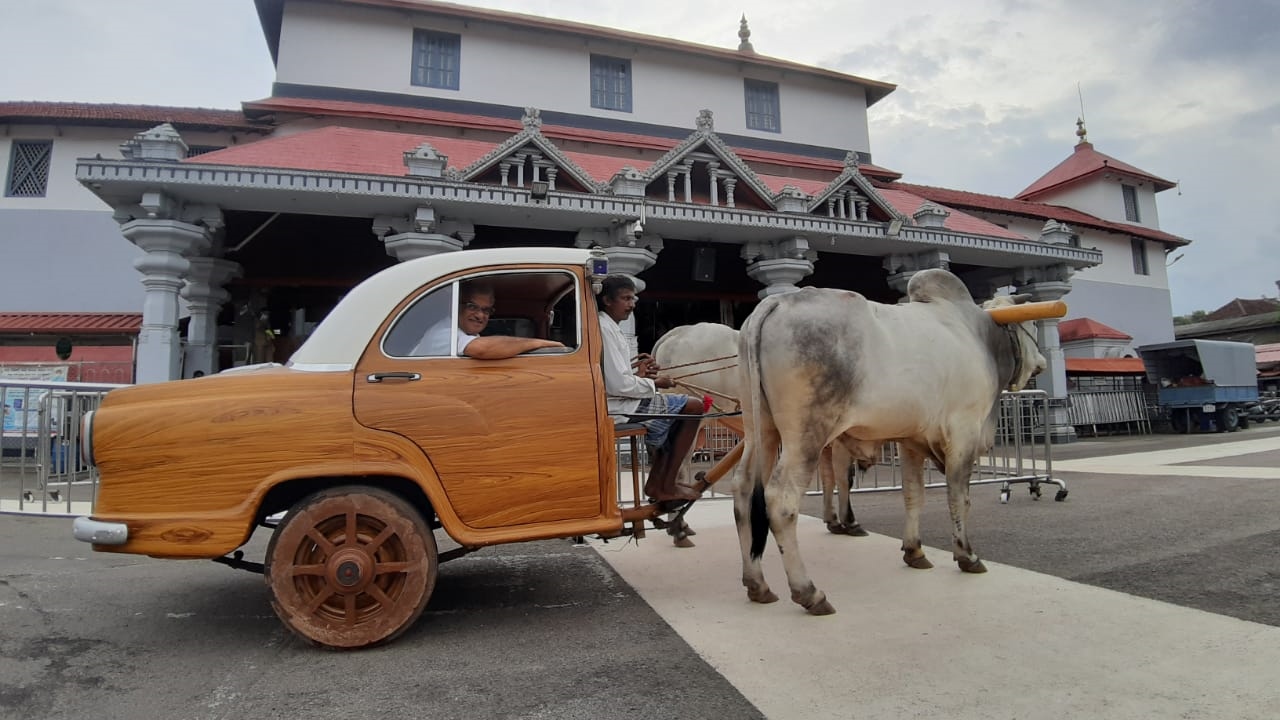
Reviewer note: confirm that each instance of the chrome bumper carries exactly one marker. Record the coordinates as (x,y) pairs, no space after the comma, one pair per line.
(88,530)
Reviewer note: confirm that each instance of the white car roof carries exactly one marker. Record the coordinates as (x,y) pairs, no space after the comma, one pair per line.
(339,340)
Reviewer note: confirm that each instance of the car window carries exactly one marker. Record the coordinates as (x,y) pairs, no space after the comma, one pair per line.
(422,330)
(525,304)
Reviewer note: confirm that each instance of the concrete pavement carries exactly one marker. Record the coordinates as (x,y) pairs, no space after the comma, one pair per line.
(1012,643)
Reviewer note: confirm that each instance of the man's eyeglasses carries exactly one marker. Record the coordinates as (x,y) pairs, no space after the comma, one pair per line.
(472,307)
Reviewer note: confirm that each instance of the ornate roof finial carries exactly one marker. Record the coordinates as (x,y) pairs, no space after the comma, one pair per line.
(1081,132)
(532,118)
(744,35)
(705,121)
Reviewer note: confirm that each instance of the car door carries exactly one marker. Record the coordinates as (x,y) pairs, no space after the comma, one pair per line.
(515,441)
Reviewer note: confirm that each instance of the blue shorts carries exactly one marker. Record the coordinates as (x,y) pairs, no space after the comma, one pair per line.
(657,431)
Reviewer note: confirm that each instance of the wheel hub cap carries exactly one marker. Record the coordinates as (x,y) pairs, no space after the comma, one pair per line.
(350,571)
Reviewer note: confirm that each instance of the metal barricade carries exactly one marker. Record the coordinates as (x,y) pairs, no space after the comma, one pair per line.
(41,469)
(1021,454)
(1125,408)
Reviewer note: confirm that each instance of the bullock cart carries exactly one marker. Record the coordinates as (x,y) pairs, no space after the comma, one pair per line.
(368,443)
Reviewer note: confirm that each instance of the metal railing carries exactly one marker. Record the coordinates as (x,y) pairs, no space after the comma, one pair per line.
(1126,409)
(41,470)
(1021,454)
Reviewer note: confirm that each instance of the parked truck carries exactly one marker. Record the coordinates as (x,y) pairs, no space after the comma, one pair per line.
(1203,384)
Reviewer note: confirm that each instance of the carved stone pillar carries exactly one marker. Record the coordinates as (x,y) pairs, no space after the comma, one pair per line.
(1045,284)
(422,234)
(779,265)
(168,244)
(628,255)
(205,295)
(902,267)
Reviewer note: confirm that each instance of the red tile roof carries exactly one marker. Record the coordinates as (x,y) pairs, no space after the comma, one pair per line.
(1268,354)
(343,108)
(1086,328)
(1036,210)
(1085,162)
(1106,366)
(907,203)
(127,115)
(66,323)
(270,12)
(1244,307)
(812,187)
(340,149)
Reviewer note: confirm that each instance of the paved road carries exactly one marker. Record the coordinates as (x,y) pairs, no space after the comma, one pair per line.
(547,630)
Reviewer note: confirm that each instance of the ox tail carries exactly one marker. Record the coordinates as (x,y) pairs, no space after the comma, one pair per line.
(750,350)
(759,522)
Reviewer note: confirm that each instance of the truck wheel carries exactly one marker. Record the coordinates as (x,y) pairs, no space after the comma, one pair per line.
(1228,419)
(351,567)
(1178,419)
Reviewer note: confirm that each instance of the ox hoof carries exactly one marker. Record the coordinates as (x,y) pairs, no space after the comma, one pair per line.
(821,608)
(763,597)
(919,562)
(971,566)
(682,541)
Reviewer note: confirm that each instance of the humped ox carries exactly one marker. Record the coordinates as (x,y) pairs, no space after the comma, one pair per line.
(705,356)
(822,365)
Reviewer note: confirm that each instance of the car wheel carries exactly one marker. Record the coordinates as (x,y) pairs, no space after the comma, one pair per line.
(351,567)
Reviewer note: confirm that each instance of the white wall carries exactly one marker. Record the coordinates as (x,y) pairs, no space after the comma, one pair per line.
(1103,198)
(69,145)
(371,49)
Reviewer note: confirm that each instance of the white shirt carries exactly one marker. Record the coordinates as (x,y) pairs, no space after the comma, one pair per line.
(435,343)
(623,389)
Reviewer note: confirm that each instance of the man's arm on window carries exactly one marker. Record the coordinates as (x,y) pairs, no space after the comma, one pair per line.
(500,347)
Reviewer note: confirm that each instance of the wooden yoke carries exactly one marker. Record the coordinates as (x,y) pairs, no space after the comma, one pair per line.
(1010,314)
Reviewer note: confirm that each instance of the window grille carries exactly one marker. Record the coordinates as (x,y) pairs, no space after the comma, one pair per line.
(762,106)
(436,59)
(1130,203)
(29,168)
(1139,248)
(610,83)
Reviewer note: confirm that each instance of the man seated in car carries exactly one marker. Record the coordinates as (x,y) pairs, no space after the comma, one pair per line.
(476,301)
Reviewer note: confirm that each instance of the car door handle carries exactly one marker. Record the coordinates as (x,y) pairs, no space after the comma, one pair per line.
(379,377)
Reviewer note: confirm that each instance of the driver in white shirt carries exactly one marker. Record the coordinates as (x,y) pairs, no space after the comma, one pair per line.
(475,307)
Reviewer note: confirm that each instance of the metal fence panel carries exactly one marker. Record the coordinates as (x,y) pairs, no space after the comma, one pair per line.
(41,469)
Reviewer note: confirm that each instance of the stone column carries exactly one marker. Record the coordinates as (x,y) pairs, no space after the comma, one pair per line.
(902,266)
(167,243)
(779,265)
(422,234)
(205,295)
(1046,284)
(628,255)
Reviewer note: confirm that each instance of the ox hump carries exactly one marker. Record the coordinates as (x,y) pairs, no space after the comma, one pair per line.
(935,285)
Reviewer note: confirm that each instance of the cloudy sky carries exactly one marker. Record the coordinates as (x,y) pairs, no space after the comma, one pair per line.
(986,100)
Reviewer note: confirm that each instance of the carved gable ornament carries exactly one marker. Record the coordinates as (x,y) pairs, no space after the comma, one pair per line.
(850,196)
(703,169)
(528,157)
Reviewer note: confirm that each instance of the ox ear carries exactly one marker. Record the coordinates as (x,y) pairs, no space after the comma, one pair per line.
(1020,298)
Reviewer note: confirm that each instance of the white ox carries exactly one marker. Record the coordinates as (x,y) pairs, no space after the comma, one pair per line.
(705,357)
(823,365)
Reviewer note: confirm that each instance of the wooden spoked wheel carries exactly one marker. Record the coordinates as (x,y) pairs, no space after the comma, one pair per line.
(351,567)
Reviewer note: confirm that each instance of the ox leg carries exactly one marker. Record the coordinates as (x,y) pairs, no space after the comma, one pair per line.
(827,476)
(748,490)
(782,498)
(912,501)
(959,467)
